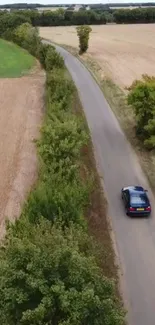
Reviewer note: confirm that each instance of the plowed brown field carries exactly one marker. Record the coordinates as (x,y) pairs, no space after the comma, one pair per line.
(21,108)
(124,52)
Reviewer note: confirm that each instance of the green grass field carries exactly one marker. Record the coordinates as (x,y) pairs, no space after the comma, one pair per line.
(14,61)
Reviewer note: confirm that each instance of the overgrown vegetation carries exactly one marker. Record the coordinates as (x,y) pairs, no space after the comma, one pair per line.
(11,21)
(48,274)
(83,35)
(142,98)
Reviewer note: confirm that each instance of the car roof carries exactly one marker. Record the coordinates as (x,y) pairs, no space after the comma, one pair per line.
(135,189)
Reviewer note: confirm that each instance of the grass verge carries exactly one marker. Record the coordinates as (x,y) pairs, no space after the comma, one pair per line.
(96,212)
(116,98)
(14,61)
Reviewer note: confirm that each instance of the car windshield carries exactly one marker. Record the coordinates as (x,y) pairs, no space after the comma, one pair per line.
(139,199)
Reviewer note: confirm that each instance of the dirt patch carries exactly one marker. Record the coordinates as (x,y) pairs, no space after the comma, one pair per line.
(21,109)
(124,52)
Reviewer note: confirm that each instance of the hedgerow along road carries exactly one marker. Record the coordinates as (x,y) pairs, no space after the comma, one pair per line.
(119,167)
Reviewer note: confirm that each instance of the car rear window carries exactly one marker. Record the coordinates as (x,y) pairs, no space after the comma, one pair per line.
(139,199)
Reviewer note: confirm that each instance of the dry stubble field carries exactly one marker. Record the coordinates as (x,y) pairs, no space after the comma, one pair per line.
(124,52)
(21,108)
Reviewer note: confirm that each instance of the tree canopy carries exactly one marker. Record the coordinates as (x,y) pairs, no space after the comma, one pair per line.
(48,276)
(83,35)
(142,97)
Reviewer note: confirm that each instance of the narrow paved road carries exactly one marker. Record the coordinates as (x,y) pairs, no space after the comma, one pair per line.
(117,163)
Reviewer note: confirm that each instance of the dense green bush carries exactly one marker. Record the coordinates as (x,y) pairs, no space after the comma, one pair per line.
(49,276)
(61,143)
(42,52)
(55,199)
(61,194)
(83,35)
(27,37)
(8,22)
(60,89)
(53,59)
(142,97)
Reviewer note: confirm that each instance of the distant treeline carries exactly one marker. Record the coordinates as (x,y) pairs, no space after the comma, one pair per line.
(117,5)
(92,6)
(131,4)
(134,16)
(62,17)
(58,17)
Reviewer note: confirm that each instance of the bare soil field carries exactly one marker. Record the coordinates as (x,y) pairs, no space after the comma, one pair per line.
(21,109)
(124,52)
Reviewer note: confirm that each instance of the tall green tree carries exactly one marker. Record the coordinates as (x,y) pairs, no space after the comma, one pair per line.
(48,276)
(27,36)
(83,35)
(142,97)
(10,21)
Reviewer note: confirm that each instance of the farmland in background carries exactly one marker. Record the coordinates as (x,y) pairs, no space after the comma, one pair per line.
(123,52)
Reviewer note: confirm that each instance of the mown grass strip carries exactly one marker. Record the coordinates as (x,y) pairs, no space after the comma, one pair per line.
(14,61)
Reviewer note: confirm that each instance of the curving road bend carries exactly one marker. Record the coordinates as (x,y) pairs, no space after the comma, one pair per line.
(118,164)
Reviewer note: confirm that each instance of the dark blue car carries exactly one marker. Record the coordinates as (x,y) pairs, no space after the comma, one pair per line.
(136,201)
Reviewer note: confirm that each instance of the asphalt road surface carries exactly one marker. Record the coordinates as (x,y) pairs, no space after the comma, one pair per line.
(118,164)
